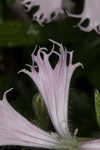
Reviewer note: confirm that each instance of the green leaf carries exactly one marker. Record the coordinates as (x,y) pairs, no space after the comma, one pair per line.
(42,117)
(97,105)
(10,1)
(15,33)
(82,113)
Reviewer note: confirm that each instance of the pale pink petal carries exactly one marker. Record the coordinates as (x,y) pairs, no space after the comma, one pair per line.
(90,11)
(48,10)
(16,130)
(91,145)
(53,85)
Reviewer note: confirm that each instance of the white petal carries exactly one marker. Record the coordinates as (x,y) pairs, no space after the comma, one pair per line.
(16,130)
(53,85)
(47,10)
(91,145)
(90,11)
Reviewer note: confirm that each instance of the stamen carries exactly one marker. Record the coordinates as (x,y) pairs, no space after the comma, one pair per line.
(75,132)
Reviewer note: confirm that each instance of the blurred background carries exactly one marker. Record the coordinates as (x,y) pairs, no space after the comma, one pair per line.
(18,37)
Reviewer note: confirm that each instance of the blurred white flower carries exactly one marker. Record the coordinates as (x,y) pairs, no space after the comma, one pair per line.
(91,11)
(53,84)
(48,10)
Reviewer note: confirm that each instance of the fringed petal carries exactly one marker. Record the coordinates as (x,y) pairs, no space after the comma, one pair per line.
(91,12)
(47,10)
(53,85)
(16,130)
(91,145)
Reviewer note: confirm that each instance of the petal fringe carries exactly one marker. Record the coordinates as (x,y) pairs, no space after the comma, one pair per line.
(16,130)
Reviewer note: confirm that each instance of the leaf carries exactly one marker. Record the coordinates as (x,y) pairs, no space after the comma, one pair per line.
(16,33)
(42,117)
(97,105)
(10,2)
(82,113)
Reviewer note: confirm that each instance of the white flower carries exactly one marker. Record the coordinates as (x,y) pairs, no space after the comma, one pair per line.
(16,130)
(48,9)
(91,12)
(53,85)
